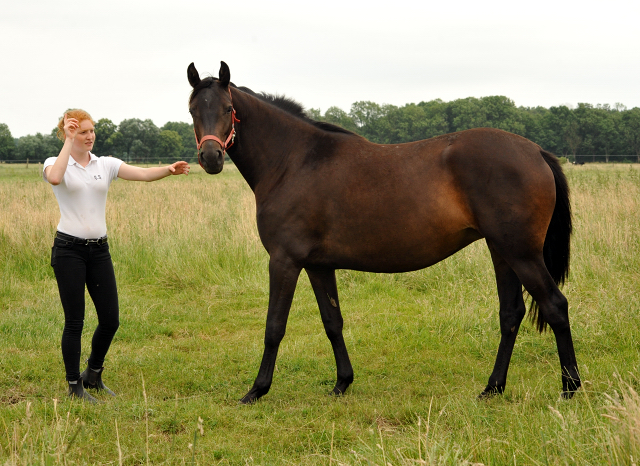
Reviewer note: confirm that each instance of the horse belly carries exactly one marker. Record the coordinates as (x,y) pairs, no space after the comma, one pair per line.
(397,243)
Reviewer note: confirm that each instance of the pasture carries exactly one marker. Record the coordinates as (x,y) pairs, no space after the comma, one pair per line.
(193,288)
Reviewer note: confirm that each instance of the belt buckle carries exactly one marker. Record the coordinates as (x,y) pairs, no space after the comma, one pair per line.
(98,241)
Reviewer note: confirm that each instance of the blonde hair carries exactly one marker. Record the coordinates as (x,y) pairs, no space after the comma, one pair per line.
(76,113)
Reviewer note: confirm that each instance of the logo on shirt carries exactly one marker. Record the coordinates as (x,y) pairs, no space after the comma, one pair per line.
(97,177)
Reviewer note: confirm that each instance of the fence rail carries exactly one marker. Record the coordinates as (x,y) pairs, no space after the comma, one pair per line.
(603,158)
(578,159)
(141,161)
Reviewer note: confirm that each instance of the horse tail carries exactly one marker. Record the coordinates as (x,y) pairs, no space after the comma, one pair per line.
(557,244)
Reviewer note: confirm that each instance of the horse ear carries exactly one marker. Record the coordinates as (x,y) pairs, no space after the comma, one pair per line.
(224,74)
(192,74)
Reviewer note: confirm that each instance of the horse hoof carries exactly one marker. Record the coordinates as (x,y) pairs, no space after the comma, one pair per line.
(245,400)
(340,388)
(248,399)
(252,396)
(490,392)
(568,394)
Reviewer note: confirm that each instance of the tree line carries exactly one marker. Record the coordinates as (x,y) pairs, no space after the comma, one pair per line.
(583,130)
(132,140)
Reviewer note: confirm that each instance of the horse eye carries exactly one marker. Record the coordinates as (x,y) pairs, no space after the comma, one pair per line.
(230,109)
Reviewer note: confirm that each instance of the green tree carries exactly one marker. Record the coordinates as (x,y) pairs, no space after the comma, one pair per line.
(169,145)
(630,129)
(466,114)
(535,121)
(105,129)
(138,151)
(414,122)
(435,112)
(572,136)
(402,124)
(115,145)
(488,112)
(188,149)
(501,112)
(365,113)
(339,117)
(314,114)
(7,143)
(139,138)
(369,119)
(560,129)
(37,148)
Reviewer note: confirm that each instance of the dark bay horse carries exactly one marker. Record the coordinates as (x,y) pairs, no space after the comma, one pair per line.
(328,199)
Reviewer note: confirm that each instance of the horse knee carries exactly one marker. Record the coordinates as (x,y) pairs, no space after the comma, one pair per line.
(333,328)
(274,335)
(556,312)
(510,319)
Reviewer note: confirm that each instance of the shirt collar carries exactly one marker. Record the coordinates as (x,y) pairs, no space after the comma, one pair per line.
(73,161)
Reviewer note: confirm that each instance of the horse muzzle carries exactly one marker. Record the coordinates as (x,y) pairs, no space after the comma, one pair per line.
(211,157)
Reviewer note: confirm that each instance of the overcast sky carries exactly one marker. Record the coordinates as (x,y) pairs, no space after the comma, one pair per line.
(128,59)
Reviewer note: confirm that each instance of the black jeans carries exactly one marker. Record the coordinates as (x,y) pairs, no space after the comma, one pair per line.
(76,265)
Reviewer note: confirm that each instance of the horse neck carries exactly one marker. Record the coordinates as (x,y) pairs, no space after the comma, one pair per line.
(269,141)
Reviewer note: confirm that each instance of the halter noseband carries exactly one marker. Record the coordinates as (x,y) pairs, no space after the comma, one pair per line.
(230,139)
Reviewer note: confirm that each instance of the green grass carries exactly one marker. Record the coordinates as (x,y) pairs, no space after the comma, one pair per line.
(193,287)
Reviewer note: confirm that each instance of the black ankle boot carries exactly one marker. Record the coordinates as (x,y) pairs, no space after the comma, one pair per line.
(93,379)
(77,391)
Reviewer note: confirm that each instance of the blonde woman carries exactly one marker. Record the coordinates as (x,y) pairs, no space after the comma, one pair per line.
(80,255)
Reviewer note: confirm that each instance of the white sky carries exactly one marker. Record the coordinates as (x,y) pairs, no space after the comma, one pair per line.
(128,59)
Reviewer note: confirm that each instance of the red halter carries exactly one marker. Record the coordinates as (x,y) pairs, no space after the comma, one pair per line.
(229,142)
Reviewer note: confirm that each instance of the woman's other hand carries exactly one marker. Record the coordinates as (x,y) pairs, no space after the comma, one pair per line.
(71,126)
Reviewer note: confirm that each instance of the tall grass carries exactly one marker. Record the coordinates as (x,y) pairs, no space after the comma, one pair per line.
(193,287)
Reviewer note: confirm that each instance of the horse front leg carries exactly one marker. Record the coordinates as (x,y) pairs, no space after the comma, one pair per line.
(326,291)
(283,276)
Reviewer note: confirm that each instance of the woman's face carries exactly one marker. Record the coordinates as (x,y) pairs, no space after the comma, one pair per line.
(85,136)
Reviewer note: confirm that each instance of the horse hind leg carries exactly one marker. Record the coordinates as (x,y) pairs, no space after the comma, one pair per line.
(326,291)
(554,311)
(512,311)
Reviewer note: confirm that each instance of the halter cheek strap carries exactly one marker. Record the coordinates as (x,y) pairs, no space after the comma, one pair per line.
(230,139)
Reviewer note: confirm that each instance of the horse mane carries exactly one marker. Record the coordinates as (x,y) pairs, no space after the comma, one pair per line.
(283,103)
(296,109)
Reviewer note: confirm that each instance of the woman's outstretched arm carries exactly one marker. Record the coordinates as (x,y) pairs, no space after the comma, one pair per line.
(131,173)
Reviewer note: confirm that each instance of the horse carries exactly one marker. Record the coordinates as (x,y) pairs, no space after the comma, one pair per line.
(327,199)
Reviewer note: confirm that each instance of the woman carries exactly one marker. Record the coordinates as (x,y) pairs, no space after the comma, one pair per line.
(80,254)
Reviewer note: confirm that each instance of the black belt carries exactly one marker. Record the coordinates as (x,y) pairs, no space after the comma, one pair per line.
(76,240)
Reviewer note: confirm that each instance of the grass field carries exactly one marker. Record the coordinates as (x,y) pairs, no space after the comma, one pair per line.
(193,290)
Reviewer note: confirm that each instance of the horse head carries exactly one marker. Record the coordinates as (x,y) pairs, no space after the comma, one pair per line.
(213,116)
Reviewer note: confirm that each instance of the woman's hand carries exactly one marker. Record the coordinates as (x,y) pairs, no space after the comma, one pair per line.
(132,173)
(71,126)
(54,174)
(179,168)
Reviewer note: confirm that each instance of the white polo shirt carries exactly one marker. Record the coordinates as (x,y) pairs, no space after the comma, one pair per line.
(82,195)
